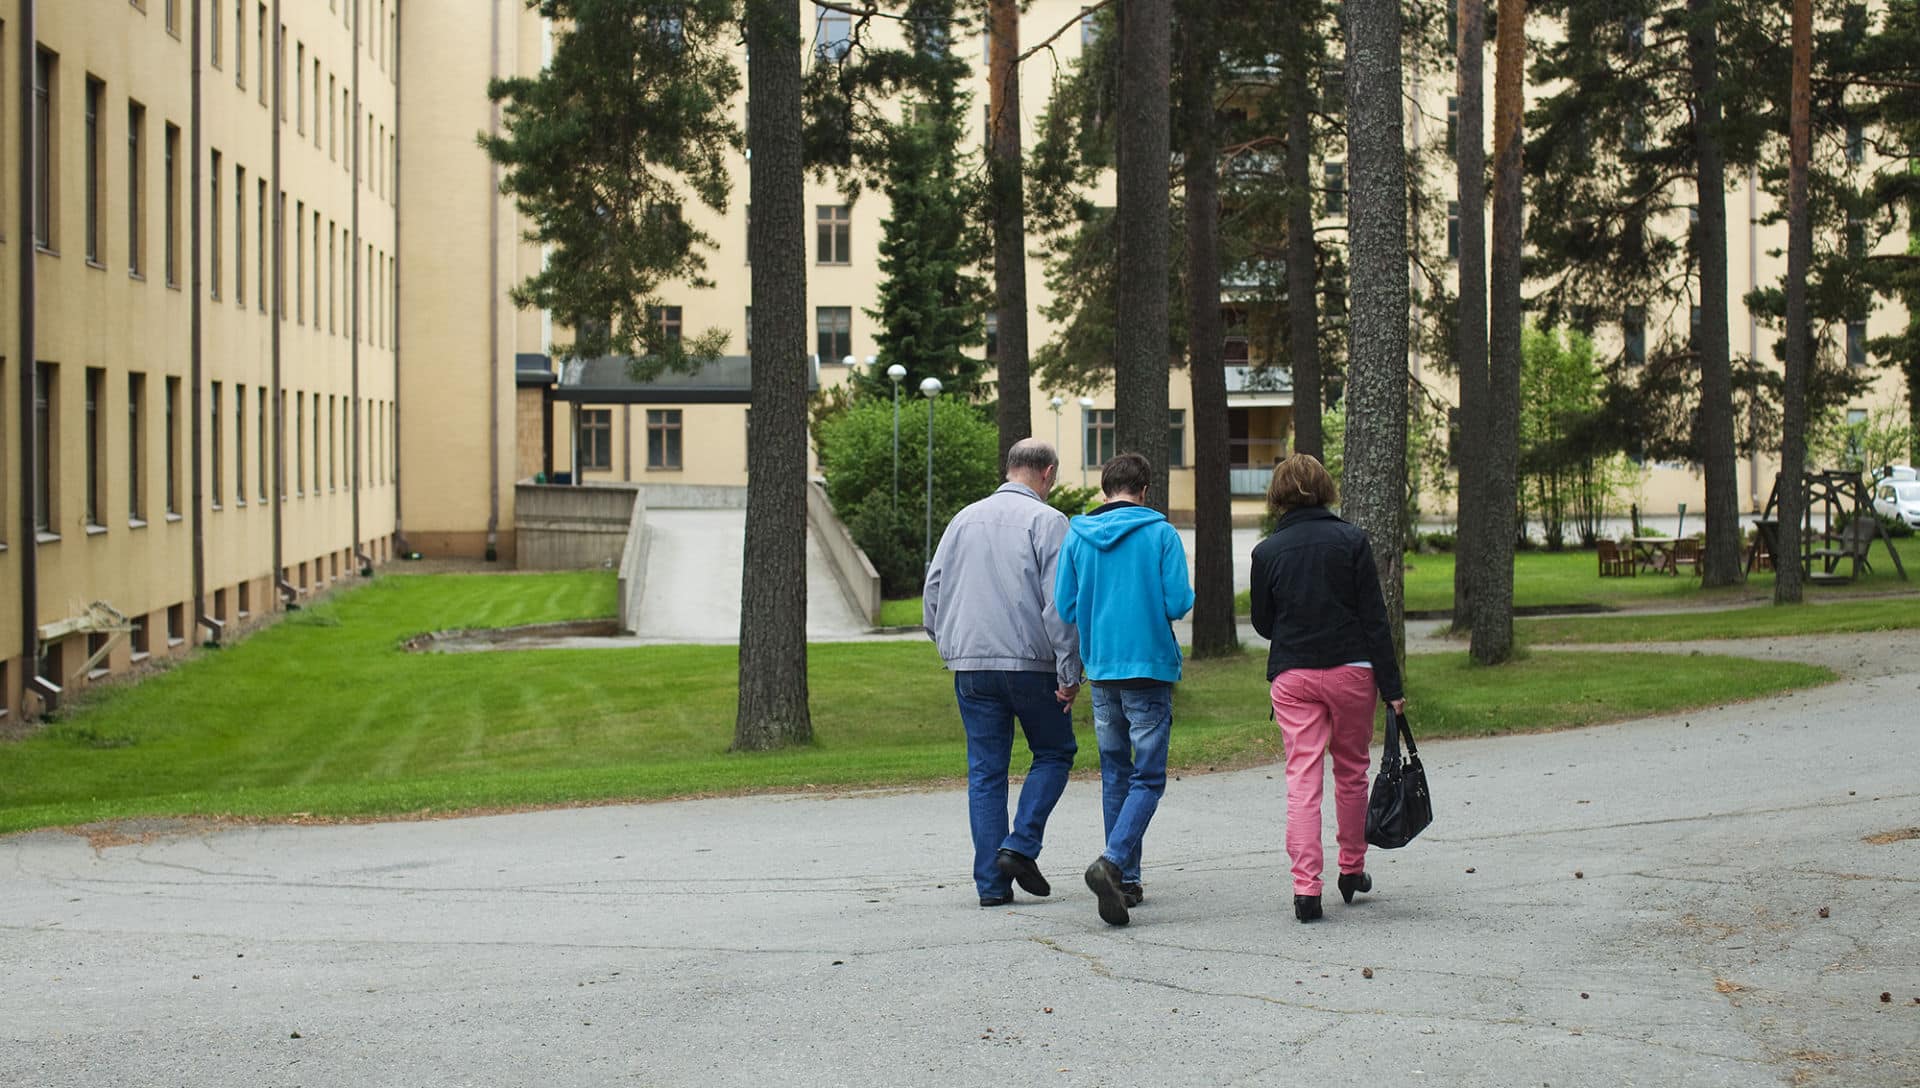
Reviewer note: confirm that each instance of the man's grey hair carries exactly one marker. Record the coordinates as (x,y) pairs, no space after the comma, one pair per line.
(1031,455)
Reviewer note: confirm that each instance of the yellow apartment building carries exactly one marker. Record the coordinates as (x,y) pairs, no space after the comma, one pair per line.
(251,341)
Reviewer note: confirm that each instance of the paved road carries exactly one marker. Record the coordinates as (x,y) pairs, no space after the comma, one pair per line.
(1622,905)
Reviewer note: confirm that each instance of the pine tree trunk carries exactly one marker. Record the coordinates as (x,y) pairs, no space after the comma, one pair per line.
(1470,334)
(1375,478)
(1215,630)
(1720,560)
(1140,419)
(1499,502)
(1793,423)
(1303,318)
(1009,226)
(773,585)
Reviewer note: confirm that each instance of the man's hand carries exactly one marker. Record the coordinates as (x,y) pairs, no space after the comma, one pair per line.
(1399,706)
(1067,694)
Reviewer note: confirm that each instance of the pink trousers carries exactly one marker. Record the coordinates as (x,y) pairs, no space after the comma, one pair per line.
(1322,712)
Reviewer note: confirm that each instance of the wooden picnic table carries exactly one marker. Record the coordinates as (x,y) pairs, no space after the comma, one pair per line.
(1654,553)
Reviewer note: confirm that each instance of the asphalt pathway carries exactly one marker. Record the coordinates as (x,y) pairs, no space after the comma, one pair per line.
(1713,898)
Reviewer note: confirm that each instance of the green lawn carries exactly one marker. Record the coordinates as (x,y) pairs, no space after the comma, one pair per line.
(1549,579)
(326,715)
(1759,622)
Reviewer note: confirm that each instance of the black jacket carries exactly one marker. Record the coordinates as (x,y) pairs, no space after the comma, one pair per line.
(1316,595)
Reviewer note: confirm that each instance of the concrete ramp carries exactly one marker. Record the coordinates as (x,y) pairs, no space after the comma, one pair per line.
(694,561)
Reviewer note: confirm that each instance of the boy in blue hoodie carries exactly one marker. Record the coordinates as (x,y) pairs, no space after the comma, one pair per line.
(1122,579)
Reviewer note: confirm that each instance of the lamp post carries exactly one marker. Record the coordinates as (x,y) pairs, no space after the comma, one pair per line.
(1086,406)
(896,372)
(1055,404)
(930,389)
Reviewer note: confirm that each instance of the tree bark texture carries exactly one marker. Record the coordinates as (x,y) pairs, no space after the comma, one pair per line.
(1470,333)
(1375,478)
(1720,560)
(1008,202)
(1140,417)
(773,585)
(1793,423)
(1303,309)
(1493,572)
(1215,629)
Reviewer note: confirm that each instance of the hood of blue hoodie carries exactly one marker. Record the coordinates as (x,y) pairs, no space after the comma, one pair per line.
(1105,530)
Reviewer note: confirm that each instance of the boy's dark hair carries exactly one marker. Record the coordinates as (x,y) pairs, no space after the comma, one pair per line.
(1127,474)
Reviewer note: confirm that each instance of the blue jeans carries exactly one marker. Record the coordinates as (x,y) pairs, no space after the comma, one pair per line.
(989,703)
(1132,726)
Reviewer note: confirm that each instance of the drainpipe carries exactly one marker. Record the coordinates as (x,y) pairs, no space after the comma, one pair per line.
(353,261)
(28,544)
(493,311)
(196,431)
(1753,324)
(274,316)
(399,261)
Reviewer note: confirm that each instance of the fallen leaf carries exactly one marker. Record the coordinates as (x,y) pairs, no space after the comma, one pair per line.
(293,1035)
(1048,1010)
(1726,986)
(1885,997)
(1578,875)
(1470,868)
(1888,838)
(1824,913)
(1366,972)
(1583,996)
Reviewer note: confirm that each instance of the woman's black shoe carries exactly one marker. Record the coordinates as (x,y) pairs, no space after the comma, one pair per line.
(1306,907)
(1354,882)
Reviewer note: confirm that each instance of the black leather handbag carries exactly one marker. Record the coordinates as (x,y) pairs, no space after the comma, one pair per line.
(1400,807)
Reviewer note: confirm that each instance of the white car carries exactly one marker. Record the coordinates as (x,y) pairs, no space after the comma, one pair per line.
(1898,499)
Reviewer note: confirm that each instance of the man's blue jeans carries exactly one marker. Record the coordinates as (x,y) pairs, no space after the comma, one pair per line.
(1132,726)
(989,703)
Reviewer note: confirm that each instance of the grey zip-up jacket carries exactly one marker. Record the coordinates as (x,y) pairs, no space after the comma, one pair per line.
(989,599)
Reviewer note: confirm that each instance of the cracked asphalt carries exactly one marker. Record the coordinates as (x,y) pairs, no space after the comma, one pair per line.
(1634,904)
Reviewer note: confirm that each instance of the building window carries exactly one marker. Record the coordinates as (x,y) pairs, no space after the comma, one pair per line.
(299,88)
(239,235)
(1453,230)
(316,444)
(171,212)
(1693,326)
(1097,450)
(993,335)
(239,43)
(173,446)
(333,123)
(239,444)
(136,187)
(1089,29)
(832,35)
(1234,347)
(1633,327)
(46,400)
(138,639)
(1177,439)
(260,246)
(595,438)
(136,445)
(315,251)
(1453,125)
(216,451)
(835,324)
(1856,143)
(1336,175)
(96,439)
(663,438)
(96,189)
(834,223)
(176,624)
(749,330)
(260,438)
(299,443)
(214,209)
(260,52)
(317,100)
(213,38)
(666,322)
(1857,342)
(43,145)
(299,263)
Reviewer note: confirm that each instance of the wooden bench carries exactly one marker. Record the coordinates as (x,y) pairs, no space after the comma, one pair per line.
(1854,542)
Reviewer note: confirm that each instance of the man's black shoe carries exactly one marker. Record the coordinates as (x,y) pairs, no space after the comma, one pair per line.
(1103,877)
(1022,871)
(996,900)
(1135,894)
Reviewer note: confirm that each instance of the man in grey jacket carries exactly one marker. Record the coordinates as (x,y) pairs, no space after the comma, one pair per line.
(989,608)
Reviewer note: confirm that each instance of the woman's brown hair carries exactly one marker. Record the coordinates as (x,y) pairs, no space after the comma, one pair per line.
(1300,480)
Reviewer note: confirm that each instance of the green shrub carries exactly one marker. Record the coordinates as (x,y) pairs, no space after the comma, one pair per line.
(856,456)
(1437,542)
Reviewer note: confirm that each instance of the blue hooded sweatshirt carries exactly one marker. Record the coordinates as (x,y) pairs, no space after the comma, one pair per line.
(1122,579)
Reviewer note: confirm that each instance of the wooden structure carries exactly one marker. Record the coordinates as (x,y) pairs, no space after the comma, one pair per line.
(1615,561)
(1848,528)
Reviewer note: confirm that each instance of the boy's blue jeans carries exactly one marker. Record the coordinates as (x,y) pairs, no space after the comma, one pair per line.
(1132,726)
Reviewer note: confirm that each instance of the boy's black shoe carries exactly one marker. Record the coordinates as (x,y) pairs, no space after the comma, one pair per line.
(1022,871)
(1306,907)
(1103,877)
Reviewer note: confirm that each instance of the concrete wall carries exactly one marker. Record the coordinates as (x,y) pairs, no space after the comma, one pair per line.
(633,565)
(851,567)
(572,528)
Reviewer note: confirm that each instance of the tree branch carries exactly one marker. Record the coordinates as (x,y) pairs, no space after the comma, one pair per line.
(1069,25)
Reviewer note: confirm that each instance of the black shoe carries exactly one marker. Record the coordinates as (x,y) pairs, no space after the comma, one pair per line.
(1354,882)
(1103,877)
(996,900)
(1135,895)
(1306,907)
(1022,871)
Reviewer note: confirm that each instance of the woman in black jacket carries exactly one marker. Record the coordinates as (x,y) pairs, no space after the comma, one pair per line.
(1316,595)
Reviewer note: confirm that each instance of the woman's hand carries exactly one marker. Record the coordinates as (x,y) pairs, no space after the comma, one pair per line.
(1399,705)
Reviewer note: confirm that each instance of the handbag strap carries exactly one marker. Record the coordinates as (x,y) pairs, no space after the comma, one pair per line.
(1395,723)
(1400,720)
